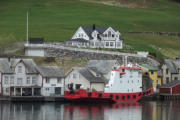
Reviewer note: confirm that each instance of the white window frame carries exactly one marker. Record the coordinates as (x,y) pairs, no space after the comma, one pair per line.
(28,80)
(19,81)
(12,80)
(19,69)
(6,80)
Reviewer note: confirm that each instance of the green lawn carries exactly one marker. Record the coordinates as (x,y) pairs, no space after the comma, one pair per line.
(57,20)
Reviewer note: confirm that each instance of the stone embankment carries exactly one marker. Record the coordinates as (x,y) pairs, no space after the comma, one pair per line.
(61,52)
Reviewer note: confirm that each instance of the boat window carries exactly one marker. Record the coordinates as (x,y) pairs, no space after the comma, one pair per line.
(117,97)
(128,96)
(123,97)
(139,94)
(134,96)
(111,96)
(100,94)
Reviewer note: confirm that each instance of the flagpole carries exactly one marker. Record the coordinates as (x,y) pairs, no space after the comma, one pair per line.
(27,30)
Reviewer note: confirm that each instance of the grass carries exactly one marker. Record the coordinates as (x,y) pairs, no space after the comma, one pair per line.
(57,20)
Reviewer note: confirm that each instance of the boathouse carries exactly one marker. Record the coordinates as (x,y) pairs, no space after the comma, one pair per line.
(171,88)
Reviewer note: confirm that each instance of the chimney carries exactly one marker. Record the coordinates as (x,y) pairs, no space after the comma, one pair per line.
(94,26)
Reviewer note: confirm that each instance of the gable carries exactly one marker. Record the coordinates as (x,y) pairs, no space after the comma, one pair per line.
(80,33)
(111,30)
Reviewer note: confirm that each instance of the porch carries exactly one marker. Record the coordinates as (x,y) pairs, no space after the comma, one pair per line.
(25,91)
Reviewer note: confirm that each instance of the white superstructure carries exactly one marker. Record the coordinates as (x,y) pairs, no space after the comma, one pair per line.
(125,79)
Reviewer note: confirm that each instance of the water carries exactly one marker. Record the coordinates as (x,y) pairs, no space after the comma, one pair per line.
(167,110)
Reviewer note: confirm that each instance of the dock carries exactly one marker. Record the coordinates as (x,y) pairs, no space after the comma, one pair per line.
(33,98)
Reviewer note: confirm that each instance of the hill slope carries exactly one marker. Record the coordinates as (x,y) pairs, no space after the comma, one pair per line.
(57,20)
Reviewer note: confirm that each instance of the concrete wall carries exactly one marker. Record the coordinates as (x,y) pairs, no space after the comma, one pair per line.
(35,52)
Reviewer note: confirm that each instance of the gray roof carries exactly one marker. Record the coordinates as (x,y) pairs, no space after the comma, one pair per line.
(172,84)
(50,71)
(173,65)
(6,66)
(100,30)
(86,73)
(101,66)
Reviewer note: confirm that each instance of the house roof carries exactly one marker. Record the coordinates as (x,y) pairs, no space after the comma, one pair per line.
(36,40)
(6,66)
(101,66)
(86,73)
(173,65)
(101,30)
(149,67)
(29,64)
(50,71)
(172,84)
(77,40)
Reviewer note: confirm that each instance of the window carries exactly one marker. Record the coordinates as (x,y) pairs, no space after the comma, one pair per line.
(12,80)
(112,35)
(128,81)
(28,80)
(132,81)
(107,44)
(74,75)
(105,35)
(118,44)
(175,78)
(6,80)
(47,80)
(109,34)
(167,79)
(19,81)
(19,69)
(123,70)
(34,80)
(59,80)
(166,71)
(7,90)
(78,86)
(111,44)
(47,89)
(152,72)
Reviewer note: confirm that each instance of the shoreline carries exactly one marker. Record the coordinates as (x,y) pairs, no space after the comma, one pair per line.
(155,97)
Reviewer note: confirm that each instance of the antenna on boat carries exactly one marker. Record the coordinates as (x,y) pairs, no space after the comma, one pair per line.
(27,29)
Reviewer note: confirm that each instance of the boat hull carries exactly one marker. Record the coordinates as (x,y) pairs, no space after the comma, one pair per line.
(85,96)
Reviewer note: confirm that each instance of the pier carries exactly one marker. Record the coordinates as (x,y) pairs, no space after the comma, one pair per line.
(33,98)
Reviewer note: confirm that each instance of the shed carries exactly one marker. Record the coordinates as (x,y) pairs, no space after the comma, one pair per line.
(171,88)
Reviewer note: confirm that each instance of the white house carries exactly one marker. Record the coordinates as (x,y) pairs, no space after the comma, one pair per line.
(82,77)
(52,80)
(97,37)
(171,70)
(35,47)
(125,79)
(22,77)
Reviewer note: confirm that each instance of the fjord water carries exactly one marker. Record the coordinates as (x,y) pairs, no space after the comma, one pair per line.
(153,110)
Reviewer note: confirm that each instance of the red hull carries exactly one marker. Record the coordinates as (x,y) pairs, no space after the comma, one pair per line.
(82,95)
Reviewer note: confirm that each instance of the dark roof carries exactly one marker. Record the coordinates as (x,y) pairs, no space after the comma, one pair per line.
(173,65)
(36,40)
(172,84)
(77,40)
(90,29)
(50,71)
(85,72)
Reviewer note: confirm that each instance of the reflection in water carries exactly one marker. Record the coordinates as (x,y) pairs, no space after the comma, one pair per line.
(168,110)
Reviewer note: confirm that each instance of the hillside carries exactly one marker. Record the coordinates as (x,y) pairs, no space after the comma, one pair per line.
(57,20)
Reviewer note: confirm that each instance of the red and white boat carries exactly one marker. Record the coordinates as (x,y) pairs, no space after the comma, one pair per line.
(125,85)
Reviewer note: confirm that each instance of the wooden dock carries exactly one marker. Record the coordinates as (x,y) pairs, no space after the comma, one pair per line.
(165,96)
